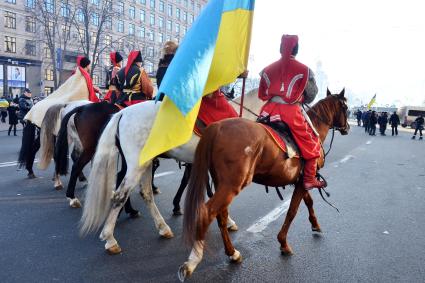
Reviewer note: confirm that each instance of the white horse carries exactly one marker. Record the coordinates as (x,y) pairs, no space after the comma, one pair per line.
(131,128)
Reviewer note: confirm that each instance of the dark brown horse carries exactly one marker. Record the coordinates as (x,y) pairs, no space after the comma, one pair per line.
(237,152)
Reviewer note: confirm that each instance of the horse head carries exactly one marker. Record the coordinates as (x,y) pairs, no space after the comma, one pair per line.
(339,112)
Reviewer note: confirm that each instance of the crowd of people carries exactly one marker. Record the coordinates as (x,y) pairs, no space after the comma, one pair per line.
(370,119)
(16,110)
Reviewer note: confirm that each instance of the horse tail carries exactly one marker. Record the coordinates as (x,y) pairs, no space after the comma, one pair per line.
(194,207)
(61,148)
(102,179)
(47,135)
(28,140)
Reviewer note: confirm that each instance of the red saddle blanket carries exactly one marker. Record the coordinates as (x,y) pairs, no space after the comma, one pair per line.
(213,108)
(279,141)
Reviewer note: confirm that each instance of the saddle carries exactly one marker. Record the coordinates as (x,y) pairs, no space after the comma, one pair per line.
(281,134)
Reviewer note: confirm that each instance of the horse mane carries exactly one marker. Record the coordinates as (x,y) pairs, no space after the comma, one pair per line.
(321,111)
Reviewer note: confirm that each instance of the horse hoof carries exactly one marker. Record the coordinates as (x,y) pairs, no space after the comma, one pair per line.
(177,212)
(75,203)
(156,191)
(114,250)
(58,188)
(184,272)
(31,176)
(135,214)
(233,228)
(316,231)
(286,251)
(236,257)
(168,234)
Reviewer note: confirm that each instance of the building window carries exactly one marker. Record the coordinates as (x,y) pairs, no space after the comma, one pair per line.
(65,10)
(66,31)
(184,16)
(30,24)
(120,44)
(132,12)
(108,40)
(169,25)
(121,7)
(80,16)
(161,6)
(177,28)
(96,80)
(131,29)
(143,2)
(48,74)
(152,4)
(161,22)
(178,13)
(168,37)
(48,91)
(190,19)
(95,2)
(160,37)
(9,20)
(120,26)
(108,23)
(170,10)
(93,37)
(142,32)
(152,19)
(142,15)
(10,44)
(30,4)
(46,53)
(150,51)
(49,5)
(11,1)
(30,48)
(151,35)
(185,3)
(149,67)
(82,35)
(95,19)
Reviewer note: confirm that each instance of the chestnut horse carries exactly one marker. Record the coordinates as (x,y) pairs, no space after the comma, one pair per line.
(237,152)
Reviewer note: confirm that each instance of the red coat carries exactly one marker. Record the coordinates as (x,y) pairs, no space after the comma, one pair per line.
(287,79)
(215,107)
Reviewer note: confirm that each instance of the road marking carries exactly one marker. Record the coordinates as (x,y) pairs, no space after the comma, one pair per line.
(369,142)
(263,222)
(12,163)
(164,174)
(346,158)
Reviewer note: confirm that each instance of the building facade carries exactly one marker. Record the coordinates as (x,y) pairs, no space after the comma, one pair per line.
(25,49)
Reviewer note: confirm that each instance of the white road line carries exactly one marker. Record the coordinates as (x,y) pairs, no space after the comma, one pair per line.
(369,142)
(164,174)
(12,163)
(346,158)
(263,222)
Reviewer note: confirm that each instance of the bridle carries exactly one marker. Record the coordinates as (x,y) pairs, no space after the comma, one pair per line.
(245,108)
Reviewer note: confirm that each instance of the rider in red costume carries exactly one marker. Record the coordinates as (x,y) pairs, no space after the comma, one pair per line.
(286,84)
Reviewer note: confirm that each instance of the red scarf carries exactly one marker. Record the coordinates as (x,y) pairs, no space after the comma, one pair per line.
(92,94)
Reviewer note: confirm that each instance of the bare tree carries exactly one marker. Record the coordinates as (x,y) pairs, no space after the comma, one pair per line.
(55,27)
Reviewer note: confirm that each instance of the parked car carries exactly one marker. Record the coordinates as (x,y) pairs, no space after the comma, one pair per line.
(408,115)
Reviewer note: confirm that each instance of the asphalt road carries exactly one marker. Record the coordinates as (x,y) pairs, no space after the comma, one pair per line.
(378,183)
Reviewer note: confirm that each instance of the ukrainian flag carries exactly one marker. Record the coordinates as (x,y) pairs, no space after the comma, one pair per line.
(213,53)
(372,101)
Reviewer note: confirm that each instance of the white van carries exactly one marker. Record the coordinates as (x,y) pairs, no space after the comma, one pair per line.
(408,115)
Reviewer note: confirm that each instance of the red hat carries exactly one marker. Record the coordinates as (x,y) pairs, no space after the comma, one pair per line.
(133,57)
(287,45)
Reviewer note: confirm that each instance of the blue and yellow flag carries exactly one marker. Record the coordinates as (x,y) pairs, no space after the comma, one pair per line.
(213,53)
(372,101)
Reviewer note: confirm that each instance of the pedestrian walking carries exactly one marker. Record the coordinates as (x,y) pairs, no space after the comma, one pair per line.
(3,116)
(382,121)
(13,117)
(25,104)
(394,122)
(366,121)
(373,120)
(359,117)
(170,48)
(419,122)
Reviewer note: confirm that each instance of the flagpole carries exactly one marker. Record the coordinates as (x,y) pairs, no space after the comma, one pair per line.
(243,95)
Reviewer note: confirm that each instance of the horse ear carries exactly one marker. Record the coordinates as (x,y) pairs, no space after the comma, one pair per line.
(328,92)
(341,94)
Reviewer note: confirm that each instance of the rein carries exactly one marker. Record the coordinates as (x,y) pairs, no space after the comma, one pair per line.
(245,108)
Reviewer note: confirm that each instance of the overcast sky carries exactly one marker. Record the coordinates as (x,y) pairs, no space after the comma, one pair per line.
(367,46)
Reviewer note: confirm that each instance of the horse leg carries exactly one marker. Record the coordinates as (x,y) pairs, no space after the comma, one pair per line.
(215,206)
(57,182)
(147,195)
(77,167)
(308,200)
(31,157)
(155,165)
(297,196)
(230,251)
(74,156)
(133,213)
(182,187)
(119,198)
